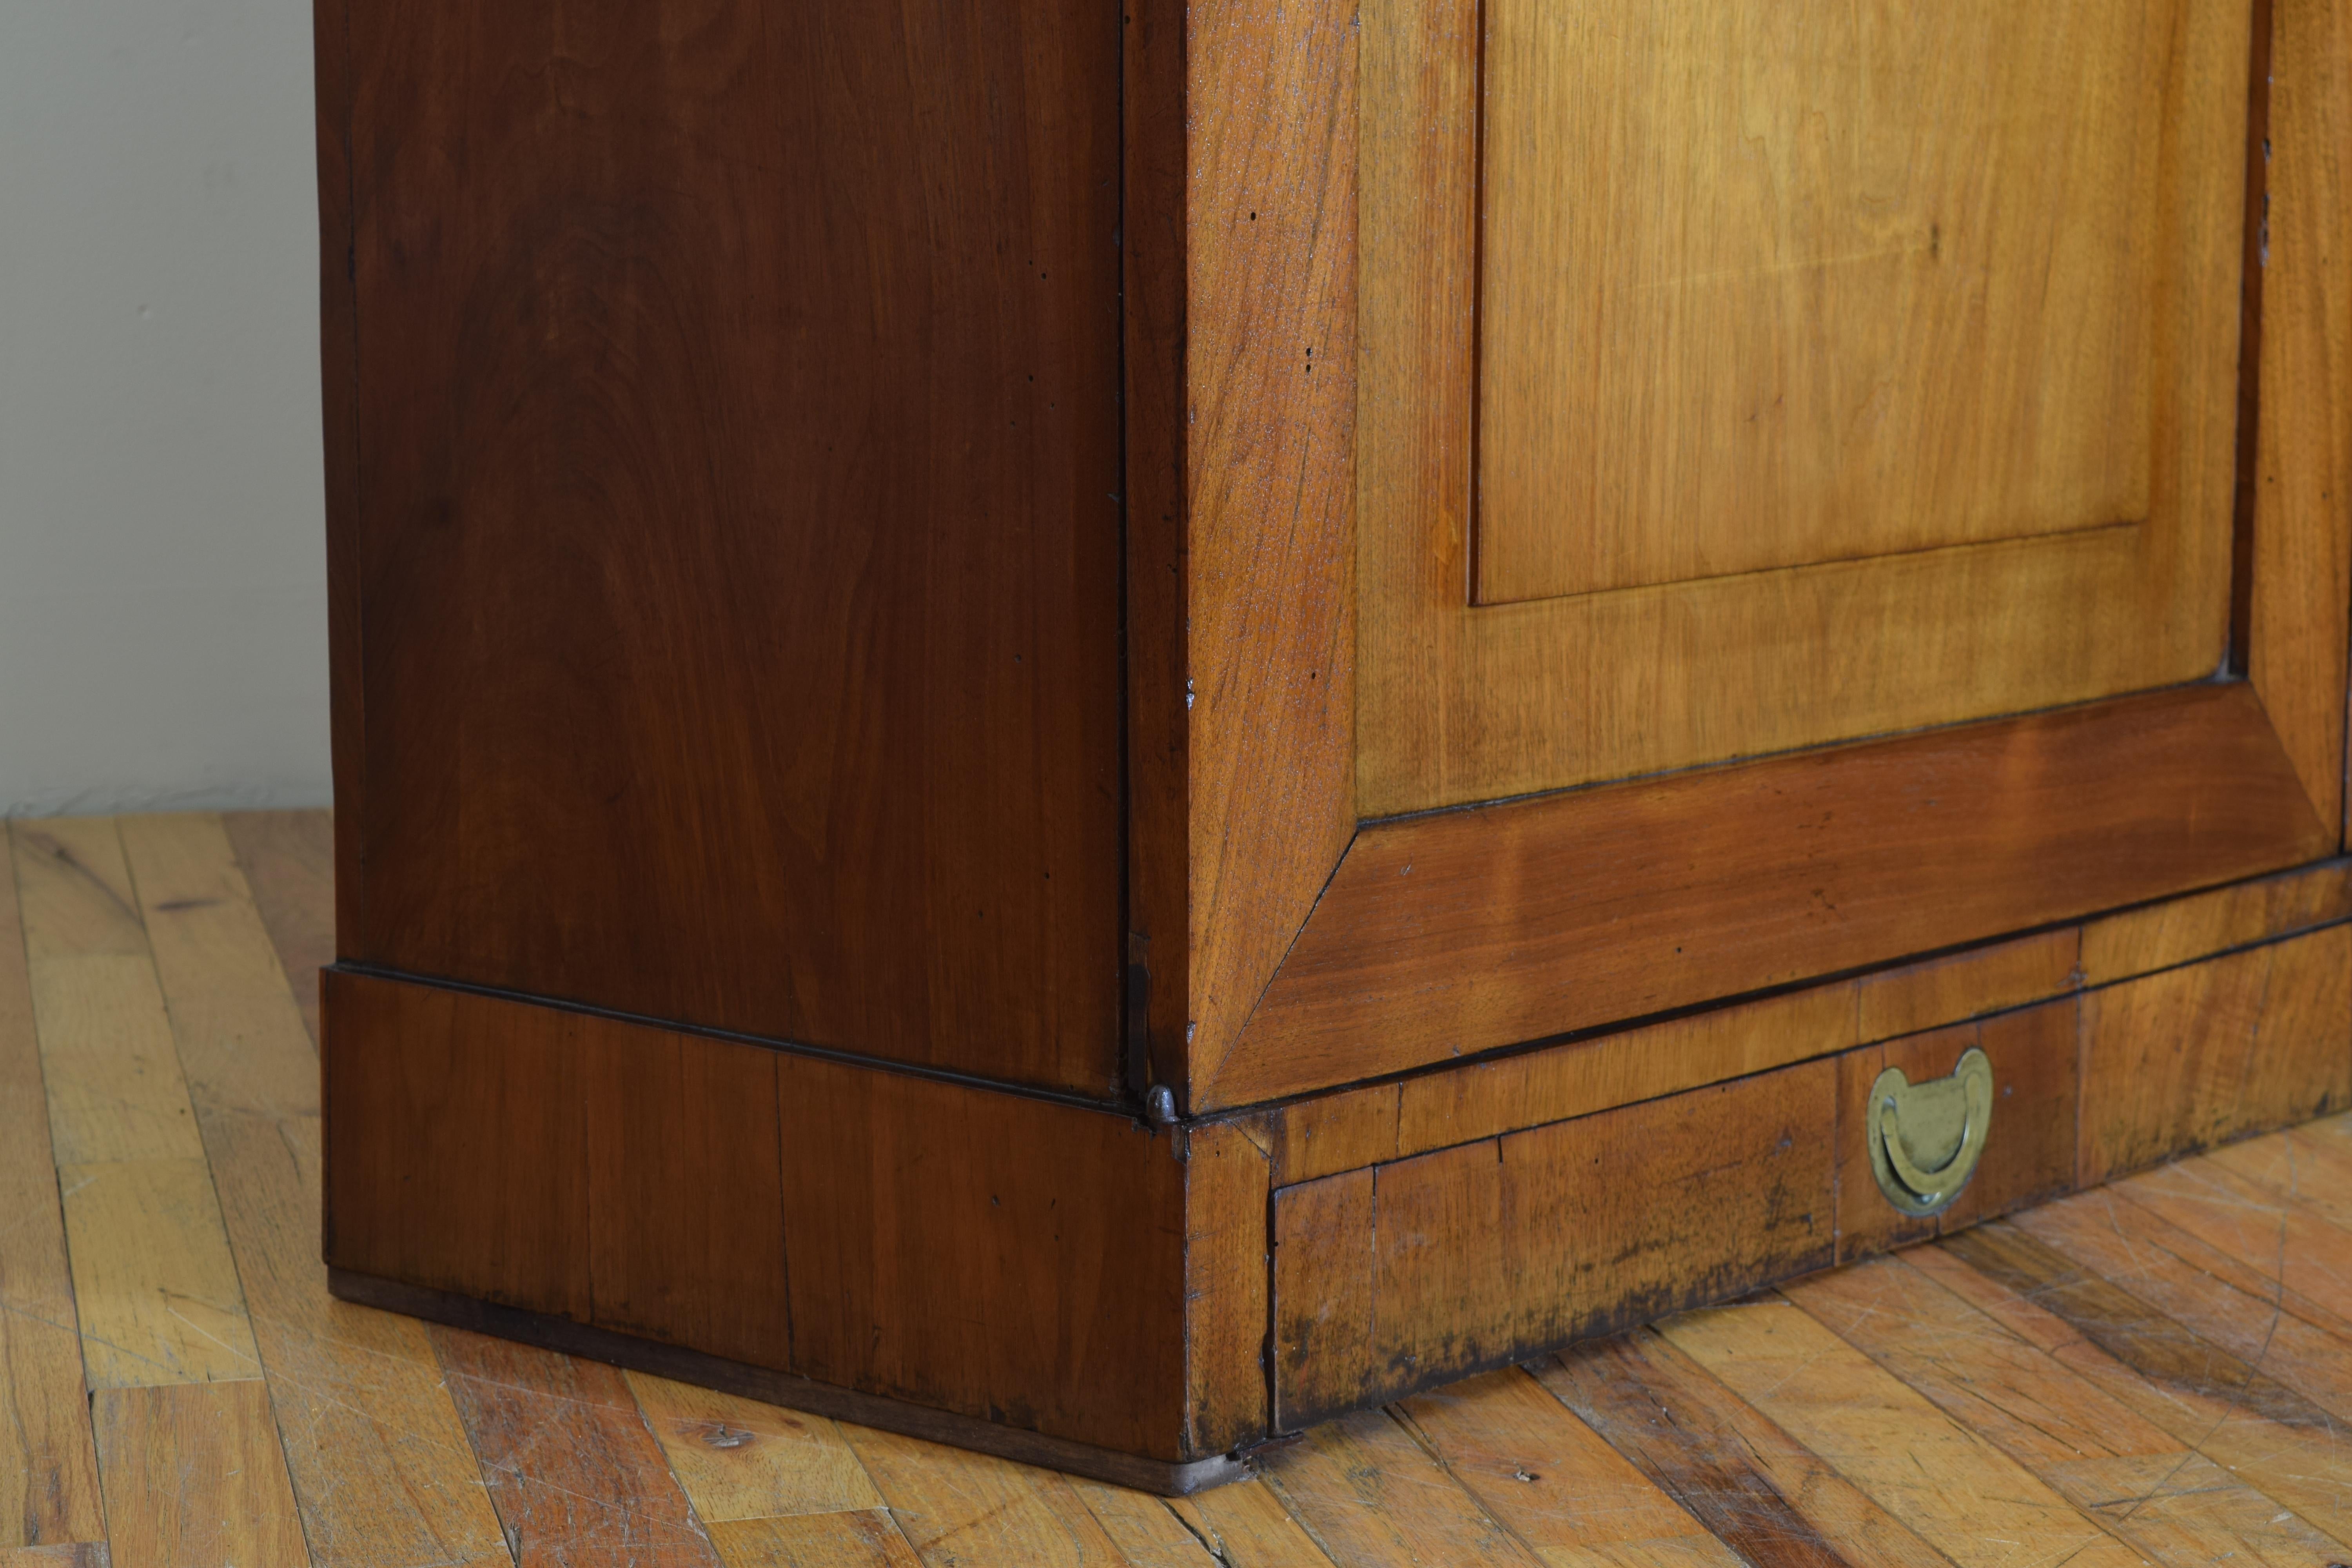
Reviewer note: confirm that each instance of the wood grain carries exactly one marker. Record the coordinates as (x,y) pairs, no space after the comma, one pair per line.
(2267,1244)
(1905,299)
(1332,1132)
(1990,979)
(686,1203)
(1227,1243)
(2168,1270)
(48,1469)
(1551,1481)
(959,1507)
(1324,1289)
(2302,565)
(1460,703)
(1270,375)
(2194,1056)
(372,1445)
(115,1087)
(1950,1487)
(991,1254)
(288,861)
(2179,931)
(1146,1533)
(2152,1490)
(737,1459)
(193,1478)
(239,1037)
(736,528)
(2029,1152)
(1466,931)
(1368,1494)
(379,1459)
(2267,1433)
(574,1473)
(1244,1525)
(154,1285)
(1484,1253)
(1760,1490)
(456,1148)
(866,1538)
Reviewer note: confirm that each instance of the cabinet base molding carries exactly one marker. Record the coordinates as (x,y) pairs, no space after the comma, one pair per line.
(1067,1285)
(772,1387)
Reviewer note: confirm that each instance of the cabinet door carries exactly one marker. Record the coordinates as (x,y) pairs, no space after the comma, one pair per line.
(1808,501)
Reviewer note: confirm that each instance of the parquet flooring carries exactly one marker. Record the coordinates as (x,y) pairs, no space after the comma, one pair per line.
(2157,1371)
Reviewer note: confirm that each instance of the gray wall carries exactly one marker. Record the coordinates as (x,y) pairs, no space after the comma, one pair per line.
(163,615)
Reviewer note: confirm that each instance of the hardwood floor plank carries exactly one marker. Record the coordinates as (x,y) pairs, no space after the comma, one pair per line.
(1371,1496)
(2148,1487)
(1244,1525)
(289,860)
(77,1555)
(381,1464)
(737,1459)
(955,1507)
(154,1288)
(1958,1493)
(2257,1240)
(115,1087)
(2309,1166)
(48,1467)
(1140,1525)
(2167,1268)
(76,895)
(575,1477)
(1763,1492)
(2262,1431)
(1552,1481)
(194,1480)
(863,1538)
(240,1036)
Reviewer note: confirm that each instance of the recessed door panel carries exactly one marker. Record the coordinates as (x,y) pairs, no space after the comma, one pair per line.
(1768,284)
(1744,377)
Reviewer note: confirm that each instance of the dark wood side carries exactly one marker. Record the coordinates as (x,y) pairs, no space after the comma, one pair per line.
(1008,1258)
(1475,930)
(338,422)
(1408,1273)
(1271,376)
(727,563)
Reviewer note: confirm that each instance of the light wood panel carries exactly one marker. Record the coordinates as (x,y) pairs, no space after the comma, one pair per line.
(288,861)
(1766,284)
(862,1540)
(1459,704)
(956,1506)
(154,1285)
(1465,931)
(1370,1495)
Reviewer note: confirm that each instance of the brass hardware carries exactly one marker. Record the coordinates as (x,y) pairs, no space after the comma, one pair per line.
(1925,1138)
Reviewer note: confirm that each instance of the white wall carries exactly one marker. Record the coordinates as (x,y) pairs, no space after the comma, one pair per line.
(162,615)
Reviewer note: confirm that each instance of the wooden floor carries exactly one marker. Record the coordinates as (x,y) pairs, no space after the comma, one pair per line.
(2160,1372)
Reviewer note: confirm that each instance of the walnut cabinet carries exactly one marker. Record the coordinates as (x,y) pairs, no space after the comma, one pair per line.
(1097,729)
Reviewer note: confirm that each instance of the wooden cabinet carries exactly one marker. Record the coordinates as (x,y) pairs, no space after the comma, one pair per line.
(1097,729)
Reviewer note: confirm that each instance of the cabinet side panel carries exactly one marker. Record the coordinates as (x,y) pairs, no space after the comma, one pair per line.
(737,518)
(1270,367)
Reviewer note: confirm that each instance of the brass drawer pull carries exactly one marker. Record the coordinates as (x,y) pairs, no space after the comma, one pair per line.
(1925,1138)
